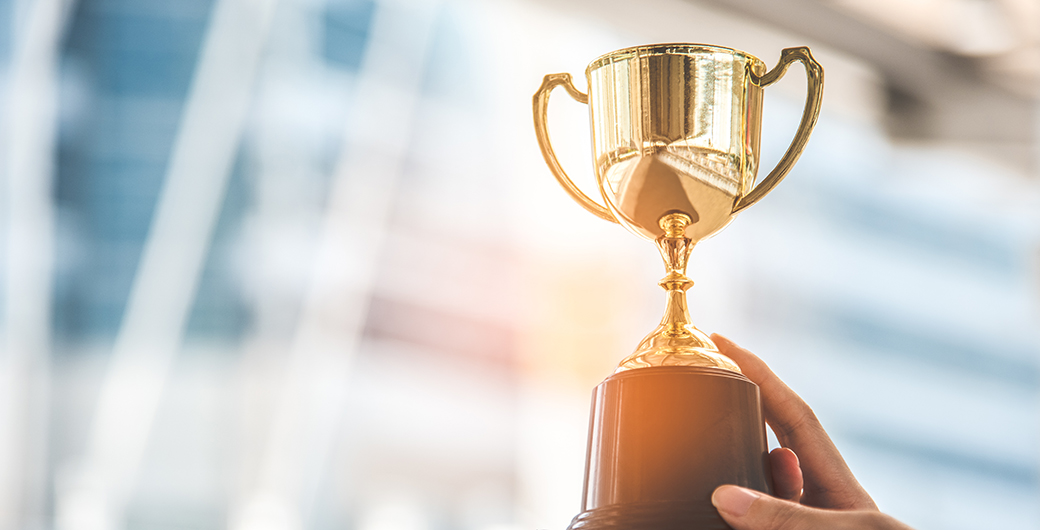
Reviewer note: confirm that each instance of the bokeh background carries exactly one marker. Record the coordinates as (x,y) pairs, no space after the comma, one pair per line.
(298,264)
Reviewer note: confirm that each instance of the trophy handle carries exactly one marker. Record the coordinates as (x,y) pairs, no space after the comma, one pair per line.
(814,73)
(541,112)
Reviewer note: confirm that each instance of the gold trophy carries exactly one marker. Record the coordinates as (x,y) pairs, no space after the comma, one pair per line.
(675,141)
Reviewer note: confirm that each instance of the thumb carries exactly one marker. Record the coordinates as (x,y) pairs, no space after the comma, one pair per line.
(746,509)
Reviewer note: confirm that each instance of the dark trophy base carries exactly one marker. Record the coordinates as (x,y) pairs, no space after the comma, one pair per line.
(662,439)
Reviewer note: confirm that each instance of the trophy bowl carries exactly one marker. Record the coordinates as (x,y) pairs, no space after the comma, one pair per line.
(675,129)
(675,145)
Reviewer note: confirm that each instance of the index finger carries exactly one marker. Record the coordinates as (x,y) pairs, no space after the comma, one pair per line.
(829,483)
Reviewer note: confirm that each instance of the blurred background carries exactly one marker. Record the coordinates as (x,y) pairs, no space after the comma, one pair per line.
(298,264)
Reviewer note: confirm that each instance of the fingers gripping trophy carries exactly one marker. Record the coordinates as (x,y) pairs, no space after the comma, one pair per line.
(675,140)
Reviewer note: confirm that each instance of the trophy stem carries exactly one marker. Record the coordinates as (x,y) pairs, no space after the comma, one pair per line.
(676,315)
(675,249)
(676,342)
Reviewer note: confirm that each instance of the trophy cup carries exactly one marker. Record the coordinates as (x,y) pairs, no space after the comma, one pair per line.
(675,141)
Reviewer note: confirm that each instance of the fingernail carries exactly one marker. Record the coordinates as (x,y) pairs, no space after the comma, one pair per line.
(734,500)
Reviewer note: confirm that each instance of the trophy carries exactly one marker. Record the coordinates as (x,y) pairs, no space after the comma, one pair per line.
(675,141)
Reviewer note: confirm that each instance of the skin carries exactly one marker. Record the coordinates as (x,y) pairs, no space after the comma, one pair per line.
(813,486)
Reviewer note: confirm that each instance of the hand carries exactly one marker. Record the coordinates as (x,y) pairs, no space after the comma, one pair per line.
(814,486)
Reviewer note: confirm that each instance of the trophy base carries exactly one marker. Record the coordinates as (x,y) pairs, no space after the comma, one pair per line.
(650,515)
(662,439)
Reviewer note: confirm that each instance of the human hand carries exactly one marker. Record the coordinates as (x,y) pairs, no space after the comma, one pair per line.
(814,487)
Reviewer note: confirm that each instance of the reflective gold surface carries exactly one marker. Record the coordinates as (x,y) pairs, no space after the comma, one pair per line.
(676,131)
(670,133)
(676,342)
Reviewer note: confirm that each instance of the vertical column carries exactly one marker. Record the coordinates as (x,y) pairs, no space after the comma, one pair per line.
(281,490)
(95,494)
(28,145)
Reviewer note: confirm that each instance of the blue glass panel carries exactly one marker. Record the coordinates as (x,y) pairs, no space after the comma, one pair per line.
(346,30)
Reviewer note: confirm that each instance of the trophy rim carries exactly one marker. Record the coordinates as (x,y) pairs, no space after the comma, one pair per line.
(668,48)
(678,370)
